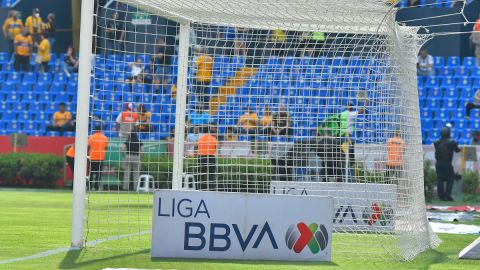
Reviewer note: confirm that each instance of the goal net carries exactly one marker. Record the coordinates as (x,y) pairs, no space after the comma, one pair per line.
(277,96)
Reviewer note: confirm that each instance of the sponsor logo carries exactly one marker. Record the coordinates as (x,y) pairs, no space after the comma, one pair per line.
(300,235)
(377,213)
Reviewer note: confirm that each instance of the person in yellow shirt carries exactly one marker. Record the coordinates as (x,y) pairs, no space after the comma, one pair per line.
(11,28)
(395,151)
(62,120)
(34,24)
(248,121)
(23,50)
(204,68)
(44,52)
(144,119)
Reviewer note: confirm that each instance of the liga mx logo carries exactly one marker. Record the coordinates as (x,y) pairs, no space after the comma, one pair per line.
(300,235)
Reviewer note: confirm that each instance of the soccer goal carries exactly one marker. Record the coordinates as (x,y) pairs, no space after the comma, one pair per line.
(275,96)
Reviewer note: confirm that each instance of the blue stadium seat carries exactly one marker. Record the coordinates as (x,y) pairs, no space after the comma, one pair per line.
(72,87)
(432,81)
(29,77)
(450,103)
(469,61)
(434,92)
(450,92)
(60,78)
(432,103)
(57,87)
(69,134)
(14,77)
(463,81)
(453,61)
(8,87)
(444,71)
(462,71)
(52,134)
(44,78)
(466,92)
(438,61)
(3,58)
(447,81)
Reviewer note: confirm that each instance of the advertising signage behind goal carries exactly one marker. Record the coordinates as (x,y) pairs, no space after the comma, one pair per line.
(357,207)
(212,225)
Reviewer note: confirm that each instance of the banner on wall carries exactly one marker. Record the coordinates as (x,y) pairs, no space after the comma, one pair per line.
(357,207)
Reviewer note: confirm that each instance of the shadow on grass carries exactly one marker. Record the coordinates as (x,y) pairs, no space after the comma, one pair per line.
(70,261)
(72,258)
(244,262)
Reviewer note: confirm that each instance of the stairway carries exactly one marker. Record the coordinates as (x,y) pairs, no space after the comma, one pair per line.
(230,88)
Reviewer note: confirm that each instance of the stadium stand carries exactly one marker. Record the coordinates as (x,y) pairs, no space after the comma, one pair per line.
(28,100)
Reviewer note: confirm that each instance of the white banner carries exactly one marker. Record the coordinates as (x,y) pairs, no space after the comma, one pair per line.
(214,225)
(357,207)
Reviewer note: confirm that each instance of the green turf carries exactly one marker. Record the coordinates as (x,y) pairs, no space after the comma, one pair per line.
(34,221)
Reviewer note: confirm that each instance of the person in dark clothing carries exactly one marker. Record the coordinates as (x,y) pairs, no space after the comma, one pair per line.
(131,161)
(329,150)
(444,149)
(115,35)
(281,160)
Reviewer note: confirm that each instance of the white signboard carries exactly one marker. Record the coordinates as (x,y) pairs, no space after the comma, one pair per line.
(214,225)
(357,207)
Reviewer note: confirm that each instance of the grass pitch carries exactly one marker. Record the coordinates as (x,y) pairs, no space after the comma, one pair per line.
(34,221)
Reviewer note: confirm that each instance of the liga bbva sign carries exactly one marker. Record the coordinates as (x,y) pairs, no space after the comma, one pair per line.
(213,225)
(357,207)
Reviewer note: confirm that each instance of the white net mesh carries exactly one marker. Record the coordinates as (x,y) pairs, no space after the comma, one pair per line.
(316,96)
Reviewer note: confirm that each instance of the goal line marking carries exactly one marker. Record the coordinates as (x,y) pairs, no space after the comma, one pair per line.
(66,249)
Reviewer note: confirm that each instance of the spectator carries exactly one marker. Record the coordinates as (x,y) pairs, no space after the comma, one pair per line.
(248,121)
(144,119)
(475,39)
(126,121)
(50,28)
(43,55)
(444,149)
(280,129)
(281,123)
(329,150)
(348,118)
(277,41)
(395,152)
(115,35)
(476,138)
(62,120)
(136,71)
(97,149)
(131,162)
(23,50)
(163,63)
(70,62)
(206,152)
(11,28)
(70,157)
(204,69)
(239,43)
(199,117)
(231,136)
(425,64)
(266,121)
(34,24)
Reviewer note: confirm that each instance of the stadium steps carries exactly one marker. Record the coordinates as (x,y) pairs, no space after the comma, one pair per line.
(238,80)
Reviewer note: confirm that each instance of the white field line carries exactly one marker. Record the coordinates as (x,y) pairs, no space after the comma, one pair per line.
(66,249)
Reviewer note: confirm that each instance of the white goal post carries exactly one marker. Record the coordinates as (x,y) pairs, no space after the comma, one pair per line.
(252,96)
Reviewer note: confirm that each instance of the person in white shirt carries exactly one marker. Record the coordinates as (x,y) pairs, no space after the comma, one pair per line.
(136,71)
(425,64)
